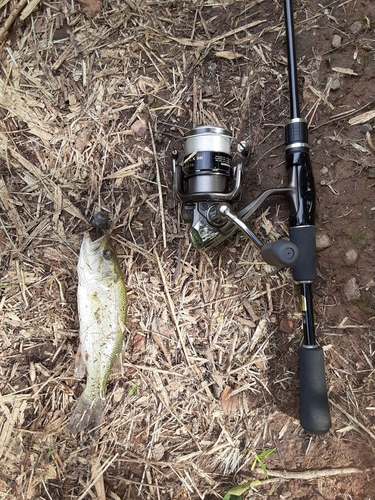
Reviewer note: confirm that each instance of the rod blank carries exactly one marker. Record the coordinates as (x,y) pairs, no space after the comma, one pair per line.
(292,61)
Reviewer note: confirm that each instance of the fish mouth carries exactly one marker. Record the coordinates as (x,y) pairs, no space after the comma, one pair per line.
(90,245)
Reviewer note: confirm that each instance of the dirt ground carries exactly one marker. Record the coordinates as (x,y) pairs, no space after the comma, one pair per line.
(91,109)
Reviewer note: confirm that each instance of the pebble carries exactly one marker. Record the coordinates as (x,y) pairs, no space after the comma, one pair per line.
(356,27)
(336,41)
(335,84)
(323,241)
(365,127)
(351,256)
(371,173)
(351,290)
(286,326)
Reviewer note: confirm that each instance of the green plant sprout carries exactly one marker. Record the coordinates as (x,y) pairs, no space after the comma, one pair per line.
(259,460)
(236,493)
(133,390)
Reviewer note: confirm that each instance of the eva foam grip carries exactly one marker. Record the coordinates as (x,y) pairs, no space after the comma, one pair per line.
(315,416)
(304,237)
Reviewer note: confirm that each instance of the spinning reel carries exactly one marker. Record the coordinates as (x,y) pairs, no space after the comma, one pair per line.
(207,183)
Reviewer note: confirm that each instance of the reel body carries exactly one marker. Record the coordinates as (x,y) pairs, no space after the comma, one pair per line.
(207,183)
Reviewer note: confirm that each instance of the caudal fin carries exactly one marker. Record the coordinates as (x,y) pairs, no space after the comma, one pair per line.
(86,414)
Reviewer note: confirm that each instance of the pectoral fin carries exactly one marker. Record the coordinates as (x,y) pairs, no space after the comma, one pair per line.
(79,368)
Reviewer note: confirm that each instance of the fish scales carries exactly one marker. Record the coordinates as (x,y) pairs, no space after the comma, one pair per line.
(102,305)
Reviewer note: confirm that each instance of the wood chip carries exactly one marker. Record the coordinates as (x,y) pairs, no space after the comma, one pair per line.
(229,403)
(345,71)
(228,54)
(28,9)
(362,118)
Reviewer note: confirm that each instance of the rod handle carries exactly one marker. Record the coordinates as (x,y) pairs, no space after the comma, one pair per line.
(314,409)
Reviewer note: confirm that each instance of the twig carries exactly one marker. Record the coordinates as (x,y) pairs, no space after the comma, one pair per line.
(100,473)
(171,308)
(313,474)
(195,102)
(152,369)
(369,142)
(13,16)
(201,43)
(159,187)
(352,418)
(99,484)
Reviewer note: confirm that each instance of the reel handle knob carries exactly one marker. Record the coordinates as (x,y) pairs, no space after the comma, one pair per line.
(280,253)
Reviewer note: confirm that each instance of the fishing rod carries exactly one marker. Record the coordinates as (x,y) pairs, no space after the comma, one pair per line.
(314,409)
(208,182)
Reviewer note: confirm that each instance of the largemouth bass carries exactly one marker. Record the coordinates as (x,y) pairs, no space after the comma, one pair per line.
(102,307)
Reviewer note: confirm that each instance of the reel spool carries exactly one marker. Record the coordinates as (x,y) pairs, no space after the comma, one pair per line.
(207,172)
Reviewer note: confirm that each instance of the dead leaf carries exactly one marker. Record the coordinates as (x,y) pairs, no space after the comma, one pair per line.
(159,330)
(91,7)
(118,394)
(139,127)
(125,171)
(146,81)
(229,403)
(82,139)
(158,451)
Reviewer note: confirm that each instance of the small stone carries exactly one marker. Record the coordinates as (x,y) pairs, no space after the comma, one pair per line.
(323,241)
(139,128)
(273,318)
(335,84)
(324,170)
(351,290)
(356,27)
(336,41)
(286,326)
(350,256)
(365,127)
(371,173)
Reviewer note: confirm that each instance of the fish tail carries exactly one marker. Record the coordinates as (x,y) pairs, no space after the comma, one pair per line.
(87,413)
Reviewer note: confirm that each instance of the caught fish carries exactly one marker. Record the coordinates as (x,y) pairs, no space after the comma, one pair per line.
(102,307)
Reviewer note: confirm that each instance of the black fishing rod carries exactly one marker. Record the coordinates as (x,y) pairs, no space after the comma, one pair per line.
(314,410)
(207,182)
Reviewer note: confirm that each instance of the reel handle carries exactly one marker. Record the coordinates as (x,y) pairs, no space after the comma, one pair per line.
(278,253)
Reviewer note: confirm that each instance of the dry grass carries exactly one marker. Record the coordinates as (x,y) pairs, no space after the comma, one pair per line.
(90,110)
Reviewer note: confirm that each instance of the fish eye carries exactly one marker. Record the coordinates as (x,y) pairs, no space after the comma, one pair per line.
(107,254)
